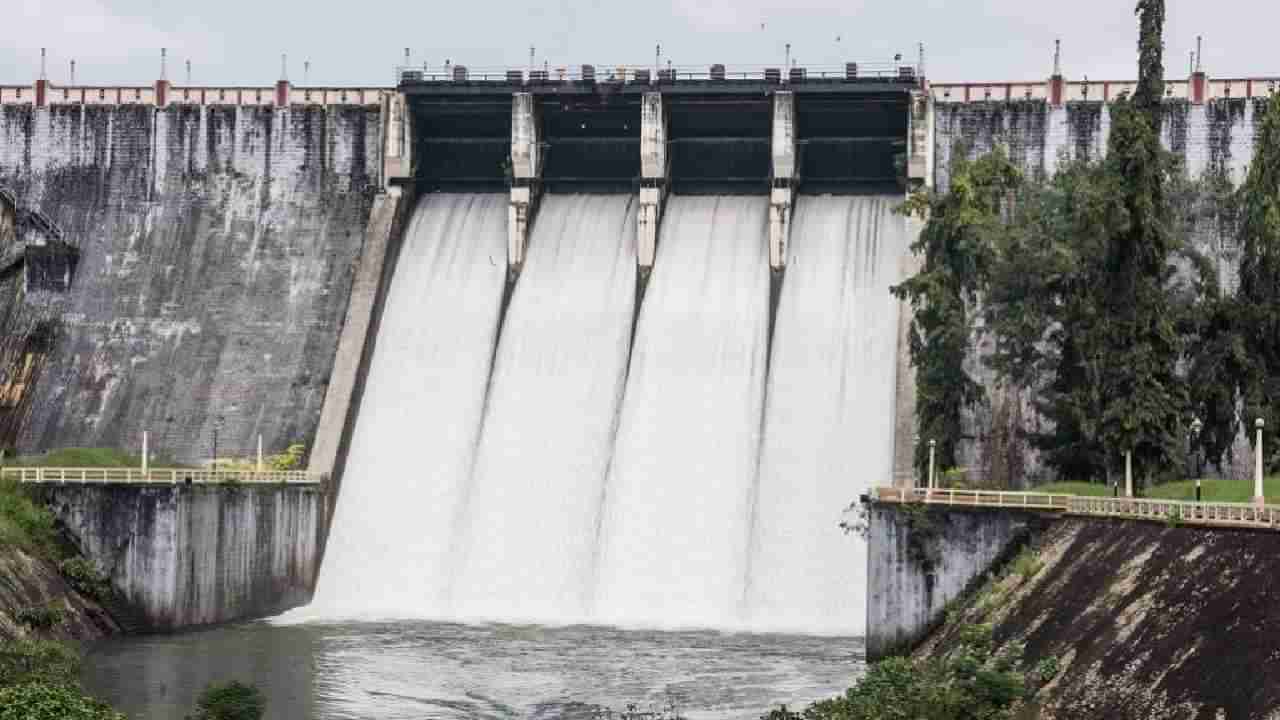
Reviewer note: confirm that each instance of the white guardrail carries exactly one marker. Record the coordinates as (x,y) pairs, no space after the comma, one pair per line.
(1194,513)
(166,476)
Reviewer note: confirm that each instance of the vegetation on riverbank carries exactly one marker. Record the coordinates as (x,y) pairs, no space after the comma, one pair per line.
(1211,490)
(38,681)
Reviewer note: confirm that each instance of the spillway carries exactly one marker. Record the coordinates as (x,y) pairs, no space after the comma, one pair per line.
(675,521)
(568,467)
(413,445)
(528,545)
(829,417)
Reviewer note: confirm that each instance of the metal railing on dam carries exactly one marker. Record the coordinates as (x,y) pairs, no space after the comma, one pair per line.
(165,476)
(1216,514)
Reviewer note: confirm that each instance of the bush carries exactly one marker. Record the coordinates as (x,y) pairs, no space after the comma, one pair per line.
(40,701)
(232,701)
(1027,565)
(86,578)
(24,523)
(290,459)
(40,618)
(38,661)
(973,683)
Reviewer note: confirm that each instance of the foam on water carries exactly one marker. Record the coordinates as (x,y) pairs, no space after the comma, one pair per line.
(829,413)
(413,445)
(527,547)
(675,527)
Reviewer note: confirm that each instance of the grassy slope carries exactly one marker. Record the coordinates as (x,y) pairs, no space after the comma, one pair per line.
(25,524)
(1211,490)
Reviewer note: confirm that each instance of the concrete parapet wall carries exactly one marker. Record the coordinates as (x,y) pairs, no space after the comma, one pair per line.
(1103,90)
(921,559)
(188,555)
(285,95)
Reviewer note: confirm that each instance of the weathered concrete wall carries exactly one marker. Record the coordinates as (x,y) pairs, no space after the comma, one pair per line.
(187,555)
(921,558)
(218,246)
(1145,621)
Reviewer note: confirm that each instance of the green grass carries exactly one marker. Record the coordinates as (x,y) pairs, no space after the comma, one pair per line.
(24,523)
(1211,490)
(81,457)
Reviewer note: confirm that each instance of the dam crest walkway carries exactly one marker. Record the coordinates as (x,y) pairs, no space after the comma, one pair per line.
(1211,514)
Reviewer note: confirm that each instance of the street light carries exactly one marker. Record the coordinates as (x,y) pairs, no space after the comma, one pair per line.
(217,424)
(1196,426)
(933,444)
(1258,497)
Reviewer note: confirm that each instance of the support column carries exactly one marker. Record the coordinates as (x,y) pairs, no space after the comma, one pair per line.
(526,170)
(920,140)
(653,177)
(397,150)
(784,177)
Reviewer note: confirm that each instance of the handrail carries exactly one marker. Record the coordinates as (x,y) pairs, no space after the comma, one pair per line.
(161,476)
(647,73)
(1182,511)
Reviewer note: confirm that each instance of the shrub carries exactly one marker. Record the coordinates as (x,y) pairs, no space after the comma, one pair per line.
(40,701)
(973,683)
(290,459)
(40,618)
(37,661)
(24,523)
(232,701)
(86,578)
(1027,565)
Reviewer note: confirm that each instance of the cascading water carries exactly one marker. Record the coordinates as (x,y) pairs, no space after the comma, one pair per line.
(675,529)
(527,548)
(658,481)
(413,445)
(829,415)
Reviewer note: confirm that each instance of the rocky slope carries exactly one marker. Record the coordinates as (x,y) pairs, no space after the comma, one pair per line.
(1144,620)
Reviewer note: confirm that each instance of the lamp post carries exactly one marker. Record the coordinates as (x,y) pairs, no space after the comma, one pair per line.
(1128,473)
(933,445)
(217,424)
(1258,497)
(1196,426)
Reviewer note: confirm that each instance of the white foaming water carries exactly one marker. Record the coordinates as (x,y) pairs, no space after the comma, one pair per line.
(675,531)
(829,413)
(412,450)
(528,544)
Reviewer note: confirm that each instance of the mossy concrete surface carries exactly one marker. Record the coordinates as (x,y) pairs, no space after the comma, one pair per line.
(1145,620)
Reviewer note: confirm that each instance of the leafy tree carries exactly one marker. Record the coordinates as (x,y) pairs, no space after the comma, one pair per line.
(41,701)
(1144,400)
(232,701)
(1043,311)
(1259,294)
(956,245)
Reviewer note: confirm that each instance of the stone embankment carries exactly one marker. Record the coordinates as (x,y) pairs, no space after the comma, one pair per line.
(1145,620)
(31,583)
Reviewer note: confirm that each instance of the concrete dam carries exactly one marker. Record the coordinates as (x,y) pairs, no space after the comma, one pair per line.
(608,346)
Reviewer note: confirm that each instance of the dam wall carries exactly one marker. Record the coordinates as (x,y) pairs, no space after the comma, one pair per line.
(920,559)
(188,555)
(219,237)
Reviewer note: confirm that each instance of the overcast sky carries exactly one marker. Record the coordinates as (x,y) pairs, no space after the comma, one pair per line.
(240,41)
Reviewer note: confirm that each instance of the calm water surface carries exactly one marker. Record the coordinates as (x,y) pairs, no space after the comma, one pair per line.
(418,670)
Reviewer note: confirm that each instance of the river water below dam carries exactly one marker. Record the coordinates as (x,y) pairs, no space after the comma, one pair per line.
(445,671)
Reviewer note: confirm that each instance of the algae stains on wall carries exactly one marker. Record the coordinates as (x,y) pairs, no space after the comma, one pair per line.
(192,555)
(217,250)
(1147,621)
(919,559)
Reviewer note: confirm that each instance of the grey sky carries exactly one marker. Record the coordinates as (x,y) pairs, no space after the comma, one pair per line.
(240,41)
